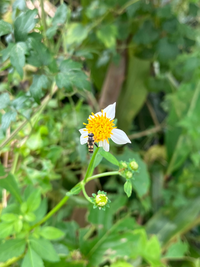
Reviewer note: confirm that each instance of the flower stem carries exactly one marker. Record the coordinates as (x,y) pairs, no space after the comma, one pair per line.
(91,165)
(54,210)
(85,194)
(102,175)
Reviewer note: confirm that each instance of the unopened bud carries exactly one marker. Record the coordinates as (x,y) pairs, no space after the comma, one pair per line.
(134,166)
(129,175)
(101,200)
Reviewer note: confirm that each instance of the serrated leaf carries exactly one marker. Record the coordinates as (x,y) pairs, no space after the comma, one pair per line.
(39,82)
(5,28)
(10,184)
(109,157)
(60,15)
(128,188)
(44,249)
(70,65)
(141,36)
(63,81)
(39,55)
(7,118)
(17,57)
(80,80)
(24,24)
(32,259)
(11,248)
(4,100)
(6,229)
(51,233)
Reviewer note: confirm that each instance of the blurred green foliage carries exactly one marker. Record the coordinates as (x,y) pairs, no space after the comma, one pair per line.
(53,64)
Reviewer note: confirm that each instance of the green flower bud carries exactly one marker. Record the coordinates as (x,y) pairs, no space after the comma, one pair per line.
(101,200)
(129,175)
(124,164)
(134,166)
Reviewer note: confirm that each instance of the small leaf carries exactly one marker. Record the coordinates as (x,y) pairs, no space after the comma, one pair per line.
(60,15)
(10,184)
(6,52)
(24,24)
(32,259)
(5,28)
(6,229)
(77,33)
(152,252)
(44,249)
(107,35)
(63,81)
(7,118)
(17,57)
(39,82)
(51,233)
(51,32)
(75,190)
(8,217)
(128,188)
(109,157)
(4,100)
(70,65)
(30,217)
(177,250)
(18,226)
(34,200)
(11,248)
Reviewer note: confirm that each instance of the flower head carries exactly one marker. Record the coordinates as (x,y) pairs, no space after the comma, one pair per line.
(102,126)
(100,200)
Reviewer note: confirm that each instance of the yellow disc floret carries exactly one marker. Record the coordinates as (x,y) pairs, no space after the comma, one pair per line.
(100,126)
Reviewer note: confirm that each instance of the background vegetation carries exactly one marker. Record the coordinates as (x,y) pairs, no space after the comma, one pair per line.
(62,60)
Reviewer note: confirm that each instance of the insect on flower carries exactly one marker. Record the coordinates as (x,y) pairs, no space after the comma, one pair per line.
(91,142)
(102,127)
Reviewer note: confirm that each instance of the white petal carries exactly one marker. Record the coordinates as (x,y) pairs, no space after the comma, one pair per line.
(106,145)
(110,111)
(84,138)
(100,143)
(82,131)
(119,137)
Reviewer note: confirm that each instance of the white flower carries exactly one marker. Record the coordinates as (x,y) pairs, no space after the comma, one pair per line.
(102,126)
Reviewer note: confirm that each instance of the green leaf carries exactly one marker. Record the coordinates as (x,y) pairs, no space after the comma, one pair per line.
(11,248)
(39,82)
(5,28)
(70,65)
(18,226)
(8,217)
(152,252)
(24,24)
(63,81)
(32,259)
(30,217)
(10,184)
(109,157)
(17,57)
(107,35)
(80,81)
(75,190)
(39,55)
(34,200)
(44,249)
(4,100)
(128,188)
(51,233)
(77,33)
(51,32)
(6,52)
(7,118)
(60,15)
(167,50)
(176,250)
(6,229)
(141,36)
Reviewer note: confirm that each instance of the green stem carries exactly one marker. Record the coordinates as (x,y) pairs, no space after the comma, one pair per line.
(54,210)
(11,261)
(85,194)
(91,165)
(102,175)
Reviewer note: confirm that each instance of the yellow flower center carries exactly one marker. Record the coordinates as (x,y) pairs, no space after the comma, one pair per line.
(100,126)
